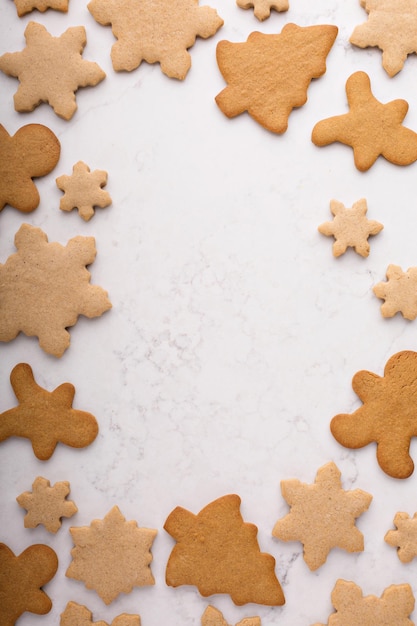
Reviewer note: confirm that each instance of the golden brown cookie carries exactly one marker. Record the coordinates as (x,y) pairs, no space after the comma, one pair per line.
(268,75)
(46,505)
(213,617)
(21,580)
(322,515)
(352,608)
(31,152)
(399,292)
(78,615)
(262,8)
(44,417)
(45,287)
(83,190)
(219,553)
(392,27)
(112,555)
(388,415)
(371,128)
(350,228)
(51,69)
(26,6)
(155,31)
(404,538)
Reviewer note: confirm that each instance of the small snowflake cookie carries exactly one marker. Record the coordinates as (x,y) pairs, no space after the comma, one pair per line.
(350,228)
(399,292)
(404,538)
(214,617)
(262,8)
(46,505)
(83,190)
(78,615)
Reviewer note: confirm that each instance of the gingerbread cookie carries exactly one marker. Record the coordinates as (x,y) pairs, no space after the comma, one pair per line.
(392,27)
(371,128)
(268,75)
(46,505)
(44,417)
(219,553)
(352,608)
(83,190)
(399,292)
(21,580)
(51,69)
(45,287)
(388,415)
(350,228)
(404,538)
(31,152)
(262,8)
(112,555)
(26,6)
(155,31)
(78,615)
(213,617)
(322,515)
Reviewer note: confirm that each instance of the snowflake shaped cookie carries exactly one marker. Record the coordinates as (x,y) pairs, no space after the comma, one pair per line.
(350,228)
(45,417)
(51,69)
(371,128)
(322,515)
(388,415)
(404,537)
(26,6)
(21,580)
(214,617)
(393,607)
(269,75)
(262,8)
(78,615)
(112,555)
(83,190)
(44,287)
(392,27)
(399,292)
(155,31)
(46,505)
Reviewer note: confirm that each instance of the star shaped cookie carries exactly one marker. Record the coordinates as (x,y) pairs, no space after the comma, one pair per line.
(78,615)
(371,128)
(262,8)
(21,580)
(399,292)
(83,190)
(51,69)
(155,31)
(350,228)
(392,27)
(112,555)
(322,515)
(45,417)
(388,416)
(393,607)
(46,505)
(45,287)
(404,537)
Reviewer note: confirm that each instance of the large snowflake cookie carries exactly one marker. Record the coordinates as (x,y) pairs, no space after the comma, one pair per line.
(388,416)
(322,515)
(155,31)
(44,287)
(112,555)
(268,75)
(51,69)
(392,27)
(371,128)
(353,608)
(219,553)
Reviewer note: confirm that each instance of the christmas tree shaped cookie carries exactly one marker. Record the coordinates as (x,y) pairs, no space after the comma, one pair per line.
(219,553)
(268,75)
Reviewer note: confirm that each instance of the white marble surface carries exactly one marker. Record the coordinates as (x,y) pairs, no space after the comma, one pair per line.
(234,332)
